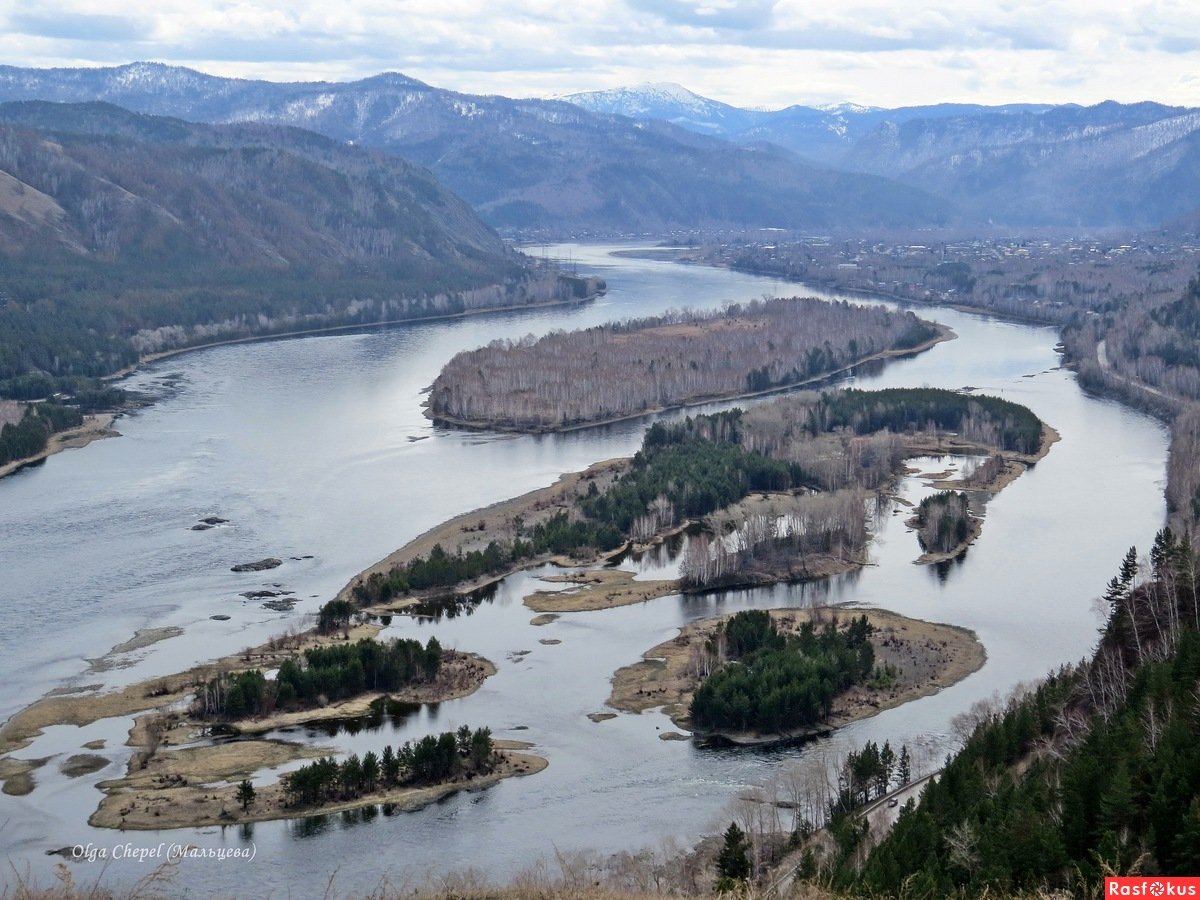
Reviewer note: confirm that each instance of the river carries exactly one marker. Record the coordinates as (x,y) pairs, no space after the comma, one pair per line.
(316,451)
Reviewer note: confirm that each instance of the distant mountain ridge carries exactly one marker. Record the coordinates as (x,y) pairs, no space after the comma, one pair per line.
(658,157)
(1032,164)
(521,163)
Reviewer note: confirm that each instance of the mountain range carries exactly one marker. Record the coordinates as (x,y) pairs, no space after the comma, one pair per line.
(522,164)
(658,157)
(1110,164)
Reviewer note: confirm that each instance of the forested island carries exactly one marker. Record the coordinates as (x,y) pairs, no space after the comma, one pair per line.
(944,525)
(777,492)
(762,677)
(413,775)
(623,369)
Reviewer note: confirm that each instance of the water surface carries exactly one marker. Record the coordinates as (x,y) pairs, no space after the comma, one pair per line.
(317,447)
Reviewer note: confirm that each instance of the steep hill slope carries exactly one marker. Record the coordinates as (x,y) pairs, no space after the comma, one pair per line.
(124,234)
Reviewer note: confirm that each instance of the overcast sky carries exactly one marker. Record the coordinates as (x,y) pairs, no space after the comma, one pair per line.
(757,53)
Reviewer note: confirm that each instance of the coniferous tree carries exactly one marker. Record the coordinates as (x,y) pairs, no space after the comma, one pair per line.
(733,862)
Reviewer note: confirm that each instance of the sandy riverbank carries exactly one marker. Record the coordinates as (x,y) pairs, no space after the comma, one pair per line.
(94,428)
(176,786)
(950,445)
(605,589)
(599,589)
(476,529)
(930,656)
(1015,464)
(162,796)
(462,674)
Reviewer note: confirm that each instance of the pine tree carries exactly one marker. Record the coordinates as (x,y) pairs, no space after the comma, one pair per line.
(904,766)
(245,793)
(733,863)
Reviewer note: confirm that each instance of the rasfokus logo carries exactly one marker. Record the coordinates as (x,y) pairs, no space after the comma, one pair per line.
(1151,886)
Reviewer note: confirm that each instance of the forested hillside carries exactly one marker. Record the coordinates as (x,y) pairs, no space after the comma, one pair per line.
(124,234)
(1096,772)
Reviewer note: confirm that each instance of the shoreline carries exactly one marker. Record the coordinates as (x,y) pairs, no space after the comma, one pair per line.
(95,427)
(139,801)
(496,518)
(476,670)
(945,333)
(170,782)
(662,681)
(142,699)
(157,356)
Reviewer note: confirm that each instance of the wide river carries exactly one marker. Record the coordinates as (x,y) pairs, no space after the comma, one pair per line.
(316,447)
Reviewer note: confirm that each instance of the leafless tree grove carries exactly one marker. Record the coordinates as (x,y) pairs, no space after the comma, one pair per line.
(626,368)
(790,533)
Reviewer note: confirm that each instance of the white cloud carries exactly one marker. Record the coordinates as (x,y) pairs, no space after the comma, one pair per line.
(747,52)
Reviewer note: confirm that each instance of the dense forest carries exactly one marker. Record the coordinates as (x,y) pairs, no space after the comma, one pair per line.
(1095,772)
(326,673)
(125,235)
(943,521)
(771,683)
(626,368)
(430,760)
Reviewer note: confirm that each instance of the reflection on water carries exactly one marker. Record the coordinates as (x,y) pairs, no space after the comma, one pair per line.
(657,562)
(449,606)
(386,712)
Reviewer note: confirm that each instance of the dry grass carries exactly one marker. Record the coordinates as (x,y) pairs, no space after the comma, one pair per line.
(160,796)
(476,529)
(598,589)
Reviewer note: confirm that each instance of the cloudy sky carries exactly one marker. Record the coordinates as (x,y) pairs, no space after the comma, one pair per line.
(755,53)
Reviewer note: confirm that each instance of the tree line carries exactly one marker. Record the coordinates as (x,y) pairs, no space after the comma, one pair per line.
(771,682)
(327,673)
(784,539)
(675,461)
(431,760)
(973,417)
(29,436)
(625,368)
